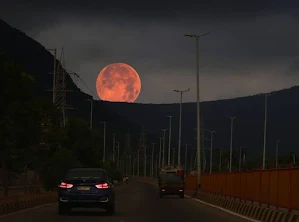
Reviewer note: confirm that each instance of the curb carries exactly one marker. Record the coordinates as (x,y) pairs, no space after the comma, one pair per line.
(251,211)
(10,206)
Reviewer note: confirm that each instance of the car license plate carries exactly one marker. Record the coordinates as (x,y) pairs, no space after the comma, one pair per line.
(83,188)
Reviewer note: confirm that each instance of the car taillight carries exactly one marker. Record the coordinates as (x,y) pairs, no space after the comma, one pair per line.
(66,185)
(102,186)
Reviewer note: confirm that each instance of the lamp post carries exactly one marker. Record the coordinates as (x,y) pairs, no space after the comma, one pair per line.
(163,153)
(113,149)
(186,152)
(180,123)
(104,151)
(169,138)
(276,155)
(231,143)
(265,130)
(160,151)
(197,105)
(211,152)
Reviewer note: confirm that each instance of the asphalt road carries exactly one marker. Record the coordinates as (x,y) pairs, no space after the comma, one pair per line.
(135,202)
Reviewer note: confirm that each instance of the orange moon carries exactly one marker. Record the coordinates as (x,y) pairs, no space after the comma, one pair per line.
(118,82)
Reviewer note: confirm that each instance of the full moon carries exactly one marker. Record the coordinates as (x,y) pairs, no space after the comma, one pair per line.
(118,82)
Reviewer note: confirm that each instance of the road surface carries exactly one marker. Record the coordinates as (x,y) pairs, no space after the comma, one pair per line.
(135,202)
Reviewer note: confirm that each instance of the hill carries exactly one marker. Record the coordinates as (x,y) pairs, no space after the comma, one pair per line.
(39,62)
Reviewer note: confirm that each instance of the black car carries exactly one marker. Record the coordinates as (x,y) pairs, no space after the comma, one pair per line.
(86,188)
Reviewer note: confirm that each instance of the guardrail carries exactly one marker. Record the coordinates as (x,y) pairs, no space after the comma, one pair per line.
(21,190)
(273,187)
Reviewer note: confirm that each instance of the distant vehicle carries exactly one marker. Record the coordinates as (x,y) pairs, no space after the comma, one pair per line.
(171,181)
(86,188)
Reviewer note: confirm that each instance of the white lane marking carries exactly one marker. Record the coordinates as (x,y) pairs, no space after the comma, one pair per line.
(223,209)
(26,210)
(220,208)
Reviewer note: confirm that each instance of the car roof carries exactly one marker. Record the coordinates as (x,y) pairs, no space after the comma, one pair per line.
(91,169)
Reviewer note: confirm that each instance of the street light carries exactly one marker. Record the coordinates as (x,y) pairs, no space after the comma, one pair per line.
(160,151)
(240,158)
(104,151)
(265,130)
(91,112)
(163,154)
(186,152)
(152,165)
(169,139)
(197,103)
(276,156)
(211,152)
(231,143)
(220,160)
(113,148)
(117,154)
(180,123)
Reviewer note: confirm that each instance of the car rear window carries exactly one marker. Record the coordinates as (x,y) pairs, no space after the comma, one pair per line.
(85,174)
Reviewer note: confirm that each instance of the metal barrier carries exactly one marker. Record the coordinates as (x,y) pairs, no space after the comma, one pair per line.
(19,190)
(275,187)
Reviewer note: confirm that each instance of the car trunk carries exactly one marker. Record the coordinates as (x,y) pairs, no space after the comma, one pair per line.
(85,186)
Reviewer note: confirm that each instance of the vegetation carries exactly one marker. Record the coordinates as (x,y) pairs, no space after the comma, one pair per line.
(31,136)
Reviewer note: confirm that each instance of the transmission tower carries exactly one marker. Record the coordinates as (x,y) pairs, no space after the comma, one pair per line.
(59,86)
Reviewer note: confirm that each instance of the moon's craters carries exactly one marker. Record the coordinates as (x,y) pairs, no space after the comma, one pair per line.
(118,82)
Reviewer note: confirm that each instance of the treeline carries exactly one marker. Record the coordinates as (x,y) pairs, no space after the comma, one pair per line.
(31,136)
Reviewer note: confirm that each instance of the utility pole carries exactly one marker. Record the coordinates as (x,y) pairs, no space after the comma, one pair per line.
(180,123)
(113,149)
(186,146)
(231,143)
(220,160)
(104,151)
(91,112)
(197,105)
(163,153)
(152,170)
(265,130)
(160,150)
(117,155)
(156,166)
(240,158)
(169,139)
(276,156)
(211,152)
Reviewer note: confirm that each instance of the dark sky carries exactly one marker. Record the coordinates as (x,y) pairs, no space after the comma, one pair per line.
(253,46)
